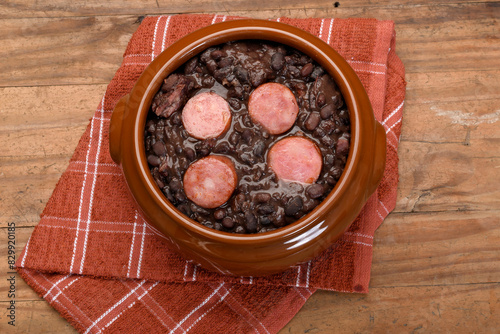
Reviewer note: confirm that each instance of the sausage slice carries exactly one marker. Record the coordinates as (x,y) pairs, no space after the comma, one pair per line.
(210,181)
(274,107)
(206,115)
(295,159)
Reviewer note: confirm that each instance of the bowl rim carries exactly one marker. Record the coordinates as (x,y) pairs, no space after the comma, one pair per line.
(218,33)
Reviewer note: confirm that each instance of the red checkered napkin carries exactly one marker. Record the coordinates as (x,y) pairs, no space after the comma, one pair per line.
(96,261)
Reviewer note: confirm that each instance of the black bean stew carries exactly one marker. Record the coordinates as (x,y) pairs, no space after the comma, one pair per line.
(233,70)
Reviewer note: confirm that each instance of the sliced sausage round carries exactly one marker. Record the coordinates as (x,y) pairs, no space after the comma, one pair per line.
(210,181)
(206,115)
(295,159)
(274,107)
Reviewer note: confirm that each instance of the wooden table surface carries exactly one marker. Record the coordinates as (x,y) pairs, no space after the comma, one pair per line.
(436,263)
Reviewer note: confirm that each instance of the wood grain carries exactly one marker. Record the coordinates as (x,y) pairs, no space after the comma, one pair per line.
(442,309)
(43,51)
(433,309)
(12,8)
(436,263)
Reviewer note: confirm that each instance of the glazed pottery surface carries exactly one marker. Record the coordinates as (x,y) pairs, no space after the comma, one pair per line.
(261,253)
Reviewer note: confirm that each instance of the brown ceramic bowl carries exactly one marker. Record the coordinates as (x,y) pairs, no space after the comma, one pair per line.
(263,253)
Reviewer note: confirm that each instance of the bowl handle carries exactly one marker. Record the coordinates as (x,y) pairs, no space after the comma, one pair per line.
(380,156)
(115,129)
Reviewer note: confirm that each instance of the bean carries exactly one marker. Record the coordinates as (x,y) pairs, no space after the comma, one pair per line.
(319,132)
(219,214)
(168,194)
(266,209)
(217,54)
(180,196)
(208,224)
(234,138)
(292,59)
(259,148)
(239,92)
(153,160)
(296,187)
(315,190)
(309,205)
(329,159)
(175,185)
(294,206)
(234,103)
(257,175)
(163,168)
(226,61)
(328,126)
(247,121)
(293,71)
(245,206)
(250,222)
(326,111)
(241,74)
(199,209)
(337,100)
(331,180)
(202,149)
(237,202)
(228,223)
(203,152)
(299,86)
(244,188)
(157,177)
(336,172)
(264,220)
(302,117)
(207,81)
(247,158)
(345,119)
(257,78)
(159,148)
(222,74)
(176,119)
(190,153)
(170,149)
(342,146)
(205,56)
(317,72)
(151,126)
(185,209)
(238,127)
(320,100)
(327,141)
(312,121)
(212,66)
(262,197)
(279,218)
(223,148)
(306,70)
(277,61)
(191,65)
(183,163)
(304,60)
(239,229)
(170,82)
(247,136)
